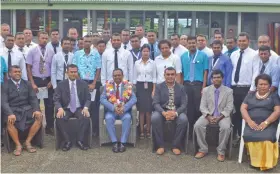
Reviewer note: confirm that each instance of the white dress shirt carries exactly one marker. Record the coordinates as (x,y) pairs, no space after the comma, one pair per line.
(58,48)
(2,44)
(161,64)
(125,62)
(224,49)
(24,51)
(16,59)
(144,72)
(77,97)
(208,51)
(143,41)
(246,69)
(128,46)
(179,50)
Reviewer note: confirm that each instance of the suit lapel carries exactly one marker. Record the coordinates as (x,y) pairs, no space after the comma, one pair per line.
(79,90)
(222,93)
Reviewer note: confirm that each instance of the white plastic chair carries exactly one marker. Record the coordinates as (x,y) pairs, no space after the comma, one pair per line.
(241,148)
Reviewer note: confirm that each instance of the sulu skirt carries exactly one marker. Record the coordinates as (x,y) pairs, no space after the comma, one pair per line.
(144,97)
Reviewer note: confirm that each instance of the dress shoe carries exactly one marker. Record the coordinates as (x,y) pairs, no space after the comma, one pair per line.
(121,147)
(50,131)
(221,158)
(67,146)
(176,151)
(160,151)
(115,148)
(200,155)
(81,145)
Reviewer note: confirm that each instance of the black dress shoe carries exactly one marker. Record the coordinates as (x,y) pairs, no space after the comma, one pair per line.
(115,148)
(81,145)
(50,131)
(121,148)
(67,146)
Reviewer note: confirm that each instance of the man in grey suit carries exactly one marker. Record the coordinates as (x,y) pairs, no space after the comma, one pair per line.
(216,107)
(170,104)
(72,99)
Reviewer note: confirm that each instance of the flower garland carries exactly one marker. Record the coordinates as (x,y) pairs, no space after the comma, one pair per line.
(111,92)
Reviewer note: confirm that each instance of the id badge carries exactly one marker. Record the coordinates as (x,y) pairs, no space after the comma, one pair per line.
(146,85)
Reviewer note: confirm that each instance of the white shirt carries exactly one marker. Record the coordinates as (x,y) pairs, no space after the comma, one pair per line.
(208,51)
(224,49)
(246,69)
(274,57)
(24,51)
(144,72)
(161,64)
(76,93)
(2,44)
(179,50)
(16,82)
(143,41)
(125,62)
(109,44)
(31,45)
(58,48)
(128,46)
(16,59)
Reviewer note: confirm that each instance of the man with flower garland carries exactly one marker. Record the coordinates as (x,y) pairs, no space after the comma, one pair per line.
(118,99)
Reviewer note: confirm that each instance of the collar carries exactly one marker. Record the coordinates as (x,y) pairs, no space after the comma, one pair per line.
(119,84)
(171,86)
(70,82)
(219,89)
(247,49)
(217,56)
(16,82)
(266,63)
(7,49)
(161,57)
(135,50)
(232,50)
(148,61)
(55,44)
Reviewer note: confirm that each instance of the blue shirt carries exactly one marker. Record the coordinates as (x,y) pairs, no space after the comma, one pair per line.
(229,52)
(3,69)
(199,62)
(87,64)
(156,50)
(224,64)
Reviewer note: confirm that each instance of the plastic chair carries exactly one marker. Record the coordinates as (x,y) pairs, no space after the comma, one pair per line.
(241,148)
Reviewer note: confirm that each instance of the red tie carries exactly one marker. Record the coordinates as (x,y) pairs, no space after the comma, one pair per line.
(118,92)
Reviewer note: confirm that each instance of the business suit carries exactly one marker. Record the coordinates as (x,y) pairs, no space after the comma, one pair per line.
(160,102)
(110,116)
(207,107)
(22,103)
(62,100)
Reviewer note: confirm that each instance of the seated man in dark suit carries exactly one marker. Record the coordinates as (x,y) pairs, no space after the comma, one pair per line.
(21,109)
(170,103)
(72,99)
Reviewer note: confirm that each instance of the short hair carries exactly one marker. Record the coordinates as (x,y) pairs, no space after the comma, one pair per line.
(263,77)
(244,34)
(65,39)
(264,48)
(72,28)
(201,35)
(145,46)
(151,31)
(220,33)
(9,35)
(217,42)
(164,41)
(54,30)
(118,69)
(72,66)
(19,33)
(27,29)
(216,72)
(175,34)
(134,36)
(80,38)
(234,38)
(140,25)
(72,39)
(5,24)
(126,30)
(87,36)
(101,42)
(42,32)
(14,67)
(169,69)
(115,34)
(191,38)
(264,35)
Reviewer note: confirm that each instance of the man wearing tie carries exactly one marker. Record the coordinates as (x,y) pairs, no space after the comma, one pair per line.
(118,106)
(39,61)
(28,36)
(60,62)
(135,51)
(72,99)
(177,48)
(231,46)
(152,41)
(116,57)
(140,32)
(242,76)
(54,43)
(125,36)
(13,56)
(20,44)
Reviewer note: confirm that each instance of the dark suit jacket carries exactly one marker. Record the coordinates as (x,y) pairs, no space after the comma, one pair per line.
(21,103)
(161,98)
(62,94)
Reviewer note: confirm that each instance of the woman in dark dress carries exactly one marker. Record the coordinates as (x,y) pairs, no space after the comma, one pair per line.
(261,111)
(145,80)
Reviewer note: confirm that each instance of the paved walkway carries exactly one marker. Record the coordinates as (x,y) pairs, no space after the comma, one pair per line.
(102,159)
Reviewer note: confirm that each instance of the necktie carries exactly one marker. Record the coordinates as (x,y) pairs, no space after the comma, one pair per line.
(173,50)
(54,47)
(28,45)
(236,76)
(118,92)
(42,61)
(152,51)
(262,69)
(66,62)
(116,59)
(73,98)
(17,85)
(21,50)
(9,58)
(43,51)
(216,111)
(215,60)
(125,47)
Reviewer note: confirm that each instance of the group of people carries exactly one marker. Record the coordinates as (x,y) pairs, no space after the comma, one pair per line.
(179,80)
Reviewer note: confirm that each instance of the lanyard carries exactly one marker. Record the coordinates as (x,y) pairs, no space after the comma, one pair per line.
(194,59)
(43,57)
(134,55)
(213,65)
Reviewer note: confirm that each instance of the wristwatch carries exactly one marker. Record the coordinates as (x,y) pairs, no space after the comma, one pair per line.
(266,122)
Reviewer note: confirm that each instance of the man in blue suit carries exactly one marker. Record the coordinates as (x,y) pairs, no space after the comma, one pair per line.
(118,99)
(220,62)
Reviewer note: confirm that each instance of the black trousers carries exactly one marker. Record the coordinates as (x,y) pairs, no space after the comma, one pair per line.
(48,102)
(157,128)
(83,124)
(239,93)
(193,90)
(94,107)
